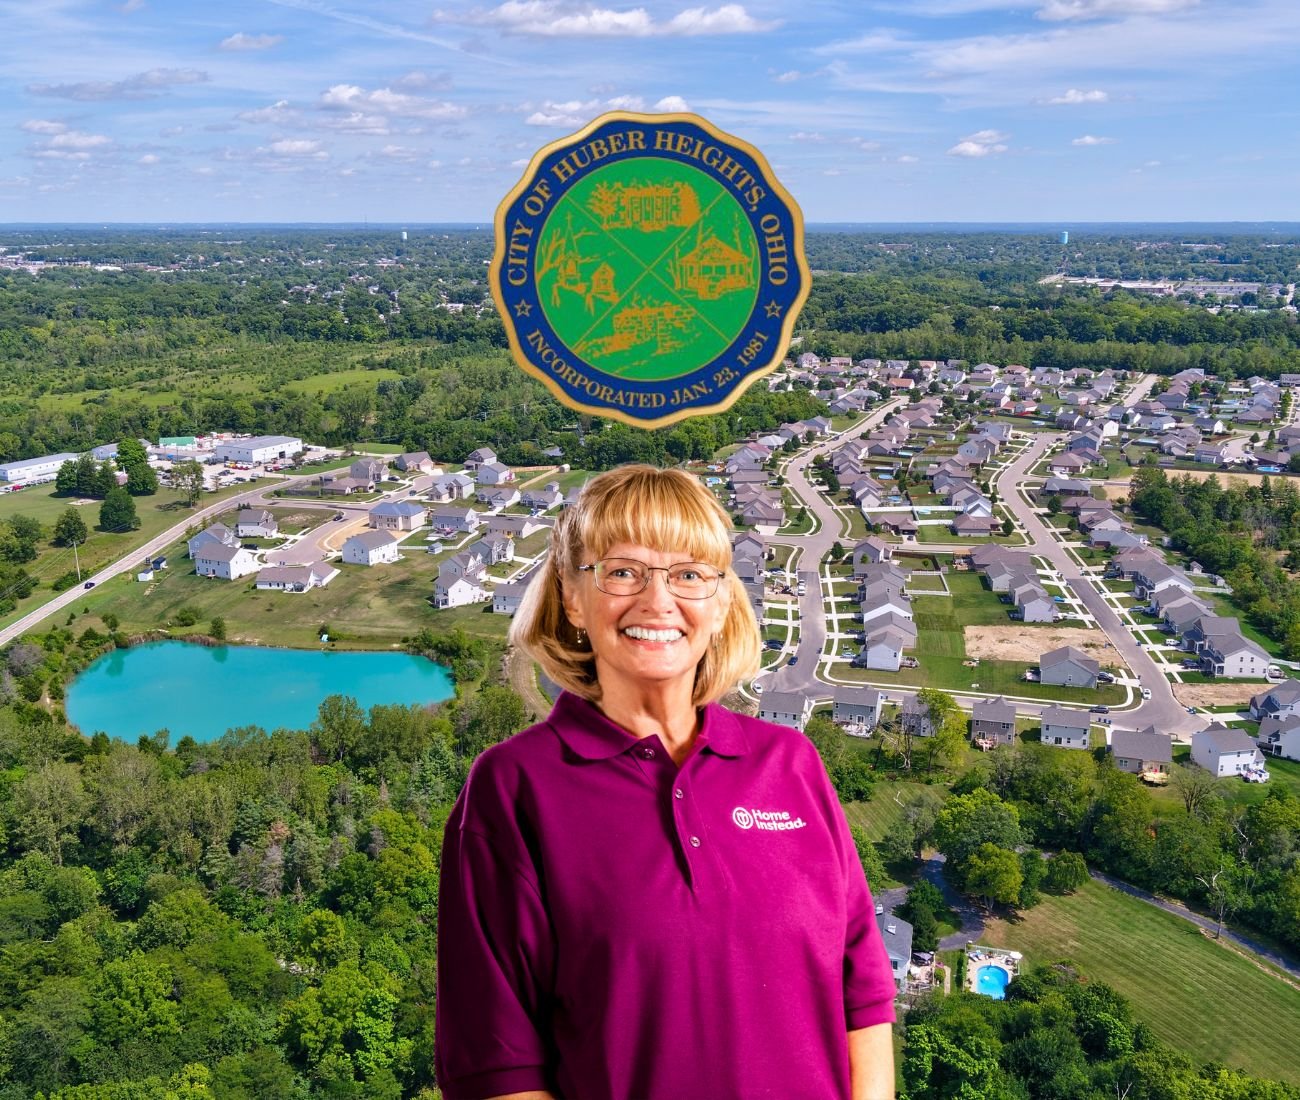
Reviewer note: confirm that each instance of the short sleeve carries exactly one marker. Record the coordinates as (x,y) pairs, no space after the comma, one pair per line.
(495,962)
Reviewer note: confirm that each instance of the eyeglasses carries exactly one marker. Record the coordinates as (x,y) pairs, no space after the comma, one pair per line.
(691,580)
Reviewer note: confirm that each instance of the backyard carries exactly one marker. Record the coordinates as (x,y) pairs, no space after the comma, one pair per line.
(1198,995)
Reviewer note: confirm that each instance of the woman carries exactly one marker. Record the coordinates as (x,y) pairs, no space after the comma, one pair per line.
(646,895)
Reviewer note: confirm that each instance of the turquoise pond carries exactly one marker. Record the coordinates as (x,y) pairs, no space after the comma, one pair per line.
(202,691)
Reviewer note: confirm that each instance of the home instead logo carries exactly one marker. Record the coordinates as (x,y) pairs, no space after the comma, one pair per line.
(649,268)
(774,821)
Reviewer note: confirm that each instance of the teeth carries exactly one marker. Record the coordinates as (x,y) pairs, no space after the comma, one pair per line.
(641,634)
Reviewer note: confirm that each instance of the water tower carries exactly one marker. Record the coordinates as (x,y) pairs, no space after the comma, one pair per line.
(1065,236)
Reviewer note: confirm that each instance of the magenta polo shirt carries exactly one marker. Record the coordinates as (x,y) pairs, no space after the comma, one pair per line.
(613,926)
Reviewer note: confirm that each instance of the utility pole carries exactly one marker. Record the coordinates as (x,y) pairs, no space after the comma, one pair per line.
(77,558)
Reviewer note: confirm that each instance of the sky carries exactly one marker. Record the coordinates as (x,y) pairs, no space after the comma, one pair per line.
(397,111)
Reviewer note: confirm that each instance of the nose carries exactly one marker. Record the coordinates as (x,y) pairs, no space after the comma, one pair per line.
(656,593)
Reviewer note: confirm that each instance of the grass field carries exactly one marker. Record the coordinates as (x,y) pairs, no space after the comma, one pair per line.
(156,513)
(321,384)
(1197,995)
(365,608)
(941,649)
(886,805)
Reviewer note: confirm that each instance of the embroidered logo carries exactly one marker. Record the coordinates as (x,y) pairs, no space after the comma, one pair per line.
(774,821)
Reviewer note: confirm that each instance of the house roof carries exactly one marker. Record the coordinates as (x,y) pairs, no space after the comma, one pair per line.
(856,696)
(993,710)
(221,552)
(1069,717)
(1147,744)
(1068,653)
(783,702)
(372,540)
(397,508)
(1224,739)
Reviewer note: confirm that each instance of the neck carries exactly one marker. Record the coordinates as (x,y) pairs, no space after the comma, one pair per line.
(664,711)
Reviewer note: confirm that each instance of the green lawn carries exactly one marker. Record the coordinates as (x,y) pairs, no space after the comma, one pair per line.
(365,607)
(941,649)
(318,385)
(156,513)
(886,804)
(1197,995)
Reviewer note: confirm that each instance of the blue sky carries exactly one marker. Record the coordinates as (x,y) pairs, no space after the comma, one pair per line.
(887,110)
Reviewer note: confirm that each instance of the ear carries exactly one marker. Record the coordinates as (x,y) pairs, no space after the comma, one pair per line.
(569,597)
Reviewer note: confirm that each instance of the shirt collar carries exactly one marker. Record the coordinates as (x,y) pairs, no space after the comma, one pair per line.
(587,732)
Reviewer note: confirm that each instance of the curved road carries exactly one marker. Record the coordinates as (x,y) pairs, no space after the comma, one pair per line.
(1162,710)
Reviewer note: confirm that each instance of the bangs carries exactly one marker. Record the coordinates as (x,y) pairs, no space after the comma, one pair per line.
(664,510)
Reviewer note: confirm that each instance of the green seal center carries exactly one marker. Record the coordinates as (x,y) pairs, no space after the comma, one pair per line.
(648,269)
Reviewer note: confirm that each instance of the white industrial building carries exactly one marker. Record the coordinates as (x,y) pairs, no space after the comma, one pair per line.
(32,471)
(259,449)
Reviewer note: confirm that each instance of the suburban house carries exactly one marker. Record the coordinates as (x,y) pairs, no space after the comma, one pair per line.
(1033,604)
(506,598)
(870,551)
(785,708)
(397,515)
(1145,753)
(763,511)
(1280,701)
(415,462)
(296,578)
(371,548)
(544,499)
(494,549)
(1222,750)
(883,649)
(968,526)
(856,708)
(992,723)
(216,535)
(256,523)
(916,718)
(897,936)
(344,486)
(452,520)
(460,581)
(493,473)
(373,470)
(479,457)
(450,487)
(1068,667)
(1065,727)
(1280,737)
(226,562)
(1230,655)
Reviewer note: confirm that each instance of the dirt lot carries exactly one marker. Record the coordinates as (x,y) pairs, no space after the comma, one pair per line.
(1216,695)
(1027,644)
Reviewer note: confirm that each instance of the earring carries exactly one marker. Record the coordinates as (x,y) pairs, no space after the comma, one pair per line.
(582,635)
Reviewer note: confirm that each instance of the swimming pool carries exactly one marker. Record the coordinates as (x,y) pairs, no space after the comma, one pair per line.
(992,981)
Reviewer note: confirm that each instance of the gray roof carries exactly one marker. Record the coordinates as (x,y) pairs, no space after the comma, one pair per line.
(1068,653)
(397,508)
(856,696)
(1147,744)
(1225,738)
(993,710)
(783,702)
(1066,716)
(220,552)
(372,540)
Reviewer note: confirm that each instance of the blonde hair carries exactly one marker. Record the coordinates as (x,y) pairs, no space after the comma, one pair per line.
(665,510)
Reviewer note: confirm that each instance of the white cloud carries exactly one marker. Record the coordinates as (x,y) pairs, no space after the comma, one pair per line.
(1077,95)
(277,112)
(150,158)
(807,135)
(44,126)
(297,148)
(1060,10)
(357,122)
(907,158)
(863,144)
(242,41)
(131,6)
(877,41)
(75,139)
(385,101)
(146,85)
(418,81)
(1090,139)
(980,144)
(787,77)
(578,112)
(566,19)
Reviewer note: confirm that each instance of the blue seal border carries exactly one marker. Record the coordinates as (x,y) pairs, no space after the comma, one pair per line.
(711,388)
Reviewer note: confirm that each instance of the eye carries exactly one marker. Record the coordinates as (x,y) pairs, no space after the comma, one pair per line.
(622,573)
(690,576)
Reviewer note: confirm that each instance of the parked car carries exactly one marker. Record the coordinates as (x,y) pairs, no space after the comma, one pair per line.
(794,661)
(1105,678)
(1146,693)
(1100,709)
(773,643)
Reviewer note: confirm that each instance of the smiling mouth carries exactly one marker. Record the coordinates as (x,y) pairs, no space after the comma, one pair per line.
(641,634)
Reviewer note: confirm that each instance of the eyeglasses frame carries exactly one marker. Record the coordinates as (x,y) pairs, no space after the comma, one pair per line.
(666,570)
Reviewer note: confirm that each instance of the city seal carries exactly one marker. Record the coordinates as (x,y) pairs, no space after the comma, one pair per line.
(648,268)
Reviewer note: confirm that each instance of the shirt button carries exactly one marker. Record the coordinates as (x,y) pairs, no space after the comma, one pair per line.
(678,793)
(695,842)
(648,753)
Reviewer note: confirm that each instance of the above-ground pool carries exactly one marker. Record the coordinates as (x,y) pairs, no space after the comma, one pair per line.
(992,981)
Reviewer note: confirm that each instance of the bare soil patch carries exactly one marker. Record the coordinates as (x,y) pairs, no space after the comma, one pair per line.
(1026,645)
(1216,695)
